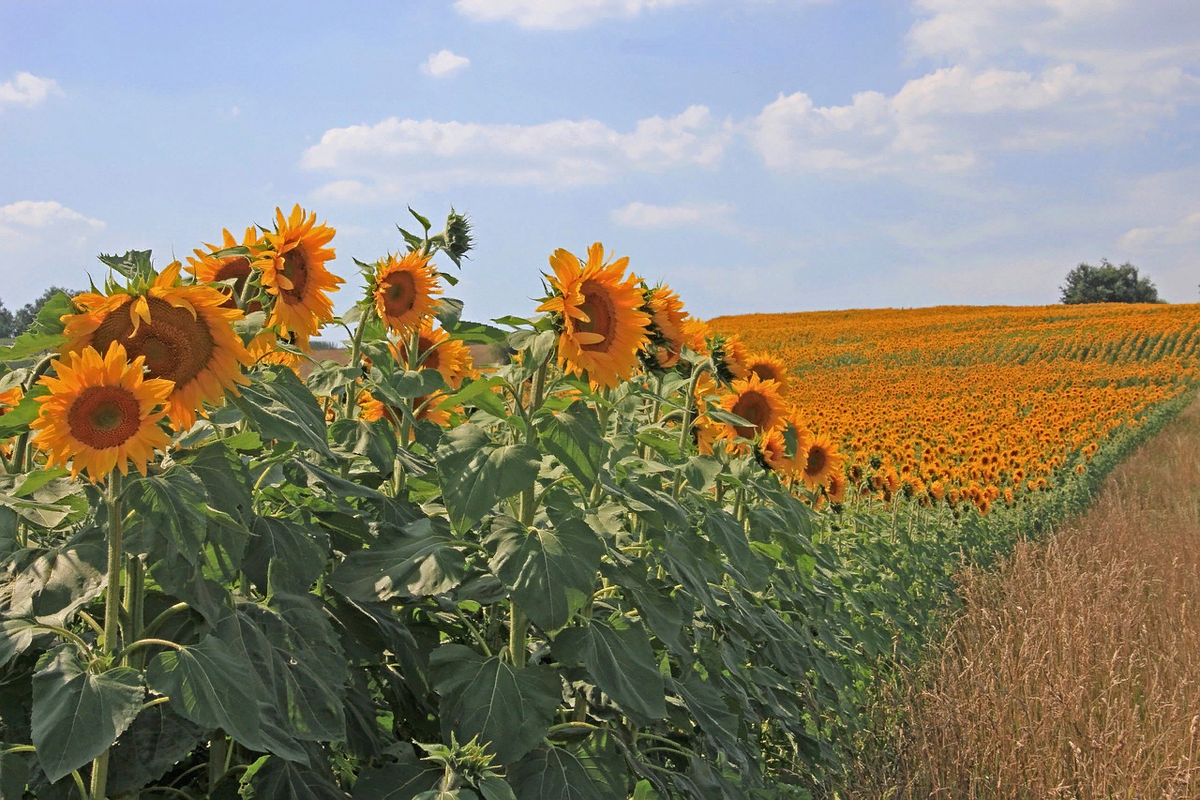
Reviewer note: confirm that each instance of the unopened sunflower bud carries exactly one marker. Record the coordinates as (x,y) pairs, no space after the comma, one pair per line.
(458,236)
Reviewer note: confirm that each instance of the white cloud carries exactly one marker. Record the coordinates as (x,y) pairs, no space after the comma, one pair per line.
(26,214)
(26,89)
(370,162)
(644,215)
(1183,232)
(558,14)
(444,63)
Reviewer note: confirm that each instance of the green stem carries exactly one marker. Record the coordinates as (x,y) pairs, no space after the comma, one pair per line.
(355,353)
(689,412)
(141,643)
(134,605)
(518,623)
(216,758)
(112,607)
(157,622)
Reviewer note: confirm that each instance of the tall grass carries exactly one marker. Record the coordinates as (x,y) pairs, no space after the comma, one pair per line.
(1074,670)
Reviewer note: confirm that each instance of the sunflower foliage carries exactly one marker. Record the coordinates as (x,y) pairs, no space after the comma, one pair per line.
(404,577)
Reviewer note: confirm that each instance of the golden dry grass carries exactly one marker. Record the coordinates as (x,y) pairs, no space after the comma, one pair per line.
(1074,671)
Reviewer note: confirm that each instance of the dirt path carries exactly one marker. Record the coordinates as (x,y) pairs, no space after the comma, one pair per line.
(1075,670)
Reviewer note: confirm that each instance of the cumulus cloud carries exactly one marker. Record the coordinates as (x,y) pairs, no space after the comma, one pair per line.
(1183,232)
(558,14)
(644,215)
(27,90)
(444,63)
(1031,75)
(27,214)
(371,162)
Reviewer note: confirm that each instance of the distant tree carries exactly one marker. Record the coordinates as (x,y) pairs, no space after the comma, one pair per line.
(8,323)
(1108,284)
(28,312)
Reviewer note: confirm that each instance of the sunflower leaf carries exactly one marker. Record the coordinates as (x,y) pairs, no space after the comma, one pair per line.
(475,474)
(281,407)
(17,421)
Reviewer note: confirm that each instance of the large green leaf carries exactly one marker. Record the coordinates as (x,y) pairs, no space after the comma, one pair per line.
(621,662)
(575,438)
(78,714)
(285,555)
(402,781)
(14,774)
(550,571)
(168,509)
(554,773)
(157,740)
(420,563)
(508,709)
(61,581)
(207,685)
(375,439)
(476,474)
(708,708)
(280,778)
(281,407)
(225,477)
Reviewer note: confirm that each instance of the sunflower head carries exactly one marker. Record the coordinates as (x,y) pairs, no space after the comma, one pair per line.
(208,268)
(822,459)
(183,334)
(728,357)
(101,413)
(438,351)
(293,273)
(597,309)
(430,408)
(768,368)
(403,288)
(666,331)
(756,401)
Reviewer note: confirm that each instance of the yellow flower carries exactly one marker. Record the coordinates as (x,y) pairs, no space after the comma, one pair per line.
(823,460)
(756,401)
(293,272)
(599,309)
(438,351)
(768,368)
(428,407)
(668,321)
(183,333)
(100,413)
(208,269)
(404,290)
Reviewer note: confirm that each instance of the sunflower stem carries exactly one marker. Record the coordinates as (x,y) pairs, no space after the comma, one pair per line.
(518,623)
(112,607)
(355,353)
(689,413)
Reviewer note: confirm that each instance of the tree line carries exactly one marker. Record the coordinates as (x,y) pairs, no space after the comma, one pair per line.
(14,323)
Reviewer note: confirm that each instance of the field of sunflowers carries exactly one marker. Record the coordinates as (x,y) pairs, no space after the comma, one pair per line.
(641,558)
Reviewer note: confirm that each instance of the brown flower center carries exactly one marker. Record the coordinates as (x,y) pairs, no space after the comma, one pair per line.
(755,409)
(399,294)
(601,315)
(104,416)
(764,372)
(816,460)
(176,346)
(239,269)
(295,269)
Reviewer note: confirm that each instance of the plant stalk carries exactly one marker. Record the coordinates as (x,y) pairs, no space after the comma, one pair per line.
(518,623)
(112,608)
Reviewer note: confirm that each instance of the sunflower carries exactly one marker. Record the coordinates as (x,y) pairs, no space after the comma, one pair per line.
(8,401)
(184,333)
(756,401)
(768,368)
(729,358)
(667,323)
(820,461)
(696,334)
(438,351)
(772,453)
(293,272)
(263,350)
(208,269)
(835,487)
(100,413)
(429,407)
(599,311)
(403,289)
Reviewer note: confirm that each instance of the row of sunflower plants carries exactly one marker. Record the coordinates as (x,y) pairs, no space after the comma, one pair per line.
(589,572)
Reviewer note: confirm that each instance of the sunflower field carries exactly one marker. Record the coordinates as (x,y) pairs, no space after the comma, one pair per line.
(639,558)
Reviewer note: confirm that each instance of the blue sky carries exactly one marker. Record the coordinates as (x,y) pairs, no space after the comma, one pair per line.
(758,155)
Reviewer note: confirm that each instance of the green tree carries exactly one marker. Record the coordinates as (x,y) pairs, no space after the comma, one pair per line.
(1108,284)
(28,312)
(8,323)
